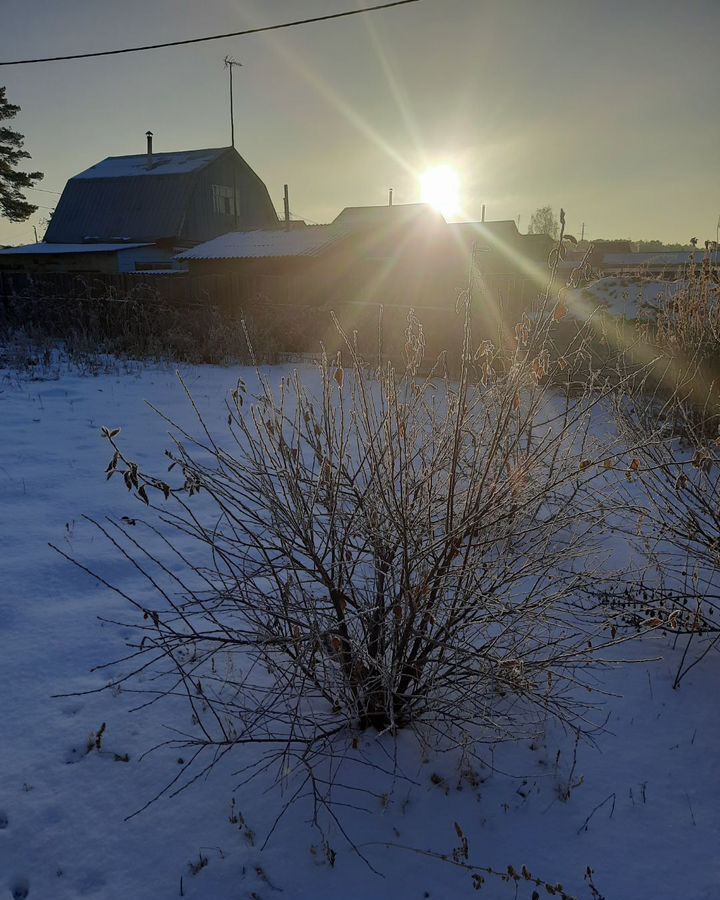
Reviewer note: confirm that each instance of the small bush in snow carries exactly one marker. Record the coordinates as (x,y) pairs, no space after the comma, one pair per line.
(368,552)
(388,552)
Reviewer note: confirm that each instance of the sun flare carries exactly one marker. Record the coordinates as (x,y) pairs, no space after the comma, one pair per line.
(441,189)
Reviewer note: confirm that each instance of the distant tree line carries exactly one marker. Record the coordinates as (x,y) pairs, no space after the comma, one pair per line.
(543,221)
(646,246)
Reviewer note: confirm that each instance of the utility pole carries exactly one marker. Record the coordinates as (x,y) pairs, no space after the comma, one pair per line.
(229,63)
(286,205)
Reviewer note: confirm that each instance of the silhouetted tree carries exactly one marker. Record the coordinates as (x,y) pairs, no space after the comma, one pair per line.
(13,204)
(543,221)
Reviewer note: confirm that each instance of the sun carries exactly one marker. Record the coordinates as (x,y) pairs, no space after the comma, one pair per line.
(441,189)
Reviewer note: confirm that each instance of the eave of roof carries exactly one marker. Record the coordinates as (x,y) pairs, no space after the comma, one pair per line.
(59,249)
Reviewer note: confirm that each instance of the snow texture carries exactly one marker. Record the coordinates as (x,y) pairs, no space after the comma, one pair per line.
(652,778)
(621,295)
(310,240)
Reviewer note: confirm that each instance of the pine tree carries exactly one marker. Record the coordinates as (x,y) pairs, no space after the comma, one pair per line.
(13,205)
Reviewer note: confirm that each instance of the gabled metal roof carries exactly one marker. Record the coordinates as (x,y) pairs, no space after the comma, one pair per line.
(388,216)
(310,241)
(499,229)
(149,207)
(144,197)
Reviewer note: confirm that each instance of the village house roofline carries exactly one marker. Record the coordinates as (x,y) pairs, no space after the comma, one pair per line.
(269,243)
(313,240)
(397,214)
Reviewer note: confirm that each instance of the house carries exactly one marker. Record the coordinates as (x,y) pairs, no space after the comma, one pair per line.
(402,254)
(509,270)
(391,257)
(158,202)
(502,250)
(84,259)
(373,254)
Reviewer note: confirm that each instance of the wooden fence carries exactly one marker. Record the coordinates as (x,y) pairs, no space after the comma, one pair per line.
(190,310)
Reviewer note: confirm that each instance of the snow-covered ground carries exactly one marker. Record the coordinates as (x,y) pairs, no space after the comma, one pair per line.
(621,295)
(643,809)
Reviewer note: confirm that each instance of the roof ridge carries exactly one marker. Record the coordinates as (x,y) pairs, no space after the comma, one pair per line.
(168,153)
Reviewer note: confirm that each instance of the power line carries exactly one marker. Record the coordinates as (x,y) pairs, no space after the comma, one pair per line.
(214,37)
(44,190)
(300,218)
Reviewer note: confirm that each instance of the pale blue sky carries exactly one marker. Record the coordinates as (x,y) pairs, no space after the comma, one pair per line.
(608,108)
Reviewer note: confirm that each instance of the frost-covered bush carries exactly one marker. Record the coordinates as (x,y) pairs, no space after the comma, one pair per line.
(675,485)
(379,551)
(669,413)
(678,348)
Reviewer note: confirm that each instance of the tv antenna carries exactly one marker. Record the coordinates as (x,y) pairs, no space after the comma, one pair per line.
(229,63)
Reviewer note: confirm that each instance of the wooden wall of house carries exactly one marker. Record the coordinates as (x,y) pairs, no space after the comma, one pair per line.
(255,208)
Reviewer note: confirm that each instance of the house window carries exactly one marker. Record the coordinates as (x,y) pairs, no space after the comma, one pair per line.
(223,200)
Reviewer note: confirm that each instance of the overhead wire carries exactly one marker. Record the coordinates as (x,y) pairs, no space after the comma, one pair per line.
(44,190)
(214,37)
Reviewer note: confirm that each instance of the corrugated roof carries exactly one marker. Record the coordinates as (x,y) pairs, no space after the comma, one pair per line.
(52,249)
(179,162)
(310,241)
(151,207)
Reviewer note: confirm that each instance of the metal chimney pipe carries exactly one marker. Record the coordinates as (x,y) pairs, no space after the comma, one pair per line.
(483,212)
(390,197)
(149,136)
(286,202)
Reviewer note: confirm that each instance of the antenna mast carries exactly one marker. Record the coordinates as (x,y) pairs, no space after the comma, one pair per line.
(229,63)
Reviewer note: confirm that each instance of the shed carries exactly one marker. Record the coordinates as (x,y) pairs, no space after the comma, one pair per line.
(83,259)
(177,198)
